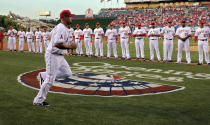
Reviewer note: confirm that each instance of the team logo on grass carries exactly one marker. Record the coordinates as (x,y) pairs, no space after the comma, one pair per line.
(98,85)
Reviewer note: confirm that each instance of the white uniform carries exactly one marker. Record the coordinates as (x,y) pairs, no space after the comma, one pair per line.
(12,39)
(98,32)
(111,35)
(56,65)
(139,42)
(153,43)
(29,36)
(203,36)
(38,35)
(78,34)
(70,36)
(46,38)
(87,40)
(183,32)
(168,33)
(21,35)
(123,32)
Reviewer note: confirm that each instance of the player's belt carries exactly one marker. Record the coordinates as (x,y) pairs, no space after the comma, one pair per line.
(153,39)
(169,39)
(11,36)
(76,38)
(37,38)
(87,37)
(124,37)
(29,38)
(98,38)
(139,38)
(20,37)
(203,39)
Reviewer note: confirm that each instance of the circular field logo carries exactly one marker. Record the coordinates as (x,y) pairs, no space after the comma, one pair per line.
(92,84)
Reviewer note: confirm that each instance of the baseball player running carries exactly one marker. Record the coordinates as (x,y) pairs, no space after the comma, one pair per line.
(98,33)
(12,38)
(21,35)
(111,38)
(56,65)
(46,38)
(154,34)
(139,40)
(124,33)
(87,32)
(183,34)
(38,37)
(202,36)
(168,34)
(78,40)
(29,37)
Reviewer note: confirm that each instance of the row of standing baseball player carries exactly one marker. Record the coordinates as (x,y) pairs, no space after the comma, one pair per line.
(183,34)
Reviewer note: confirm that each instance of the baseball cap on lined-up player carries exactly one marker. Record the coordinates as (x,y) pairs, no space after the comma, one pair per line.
(66,17)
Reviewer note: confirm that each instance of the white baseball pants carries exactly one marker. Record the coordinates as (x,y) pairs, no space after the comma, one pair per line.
(98,46)
(30,44)
(125,48)
(186,46)
(167,49)
(203,47)
(46,43)
(88,46)
(139,43)
(12,43)
(21,44)
(56,67)
(38,45)
(79,46)
(112,44)
(153,44)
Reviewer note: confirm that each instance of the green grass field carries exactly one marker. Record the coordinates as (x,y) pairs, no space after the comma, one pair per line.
(190,106)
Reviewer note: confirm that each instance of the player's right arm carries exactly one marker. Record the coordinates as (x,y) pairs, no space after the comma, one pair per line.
(65,46)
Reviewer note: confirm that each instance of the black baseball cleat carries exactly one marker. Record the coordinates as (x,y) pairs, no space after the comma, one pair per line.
(170,61)
(199,64)
(44,104)
(209,64)
(41,80)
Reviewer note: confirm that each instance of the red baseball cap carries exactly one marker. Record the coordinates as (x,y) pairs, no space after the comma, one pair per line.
(201,21)
(123,22)
(66,13)
(169,21)
(111,24)
(138,24)
(153,23)
(183,21)
(86,24)
(97,23)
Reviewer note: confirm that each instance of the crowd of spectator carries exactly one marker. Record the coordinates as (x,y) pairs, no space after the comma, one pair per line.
(192,15)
